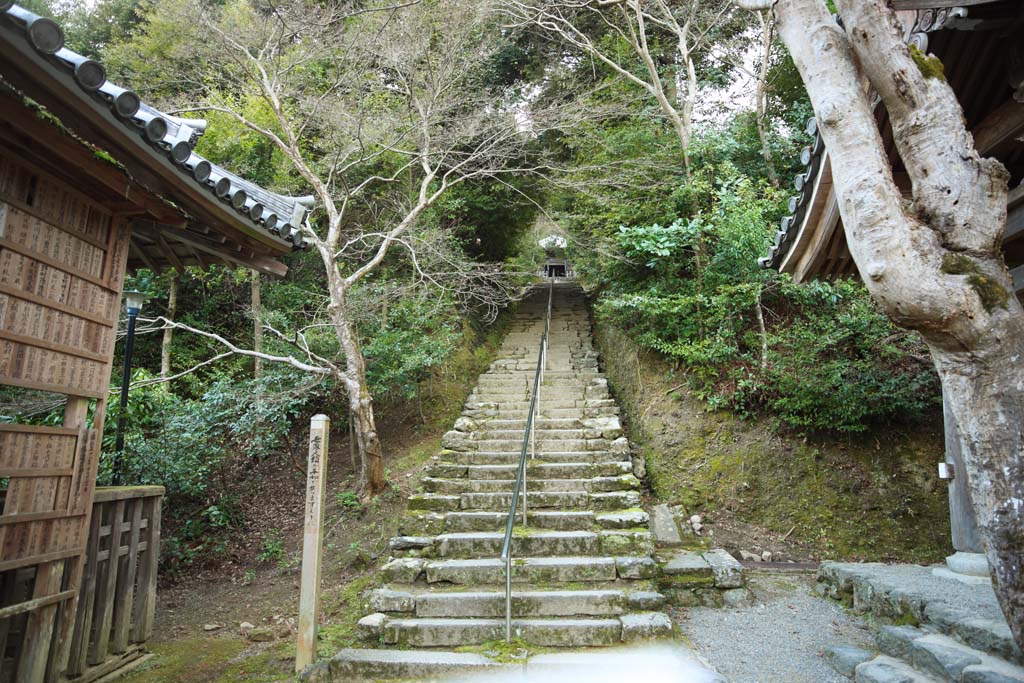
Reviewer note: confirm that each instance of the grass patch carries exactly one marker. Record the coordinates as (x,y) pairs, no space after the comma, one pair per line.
(867,497)
(215,660)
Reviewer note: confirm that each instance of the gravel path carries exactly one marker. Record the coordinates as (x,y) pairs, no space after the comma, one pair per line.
(780,637)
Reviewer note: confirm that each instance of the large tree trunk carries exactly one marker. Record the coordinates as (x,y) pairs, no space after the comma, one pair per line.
(936,265)
(172,309)
(371,472)
(360,403)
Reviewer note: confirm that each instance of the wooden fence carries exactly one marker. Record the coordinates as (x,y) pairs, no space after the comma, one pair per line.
(117,592)
(115,612)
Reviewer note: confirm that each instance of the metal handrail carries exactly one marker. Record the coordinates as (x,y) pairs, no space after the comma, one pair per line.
(529,440)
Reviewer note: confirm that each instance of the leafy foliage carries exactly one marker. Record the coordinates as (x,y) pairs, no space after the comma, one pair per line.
(691,288)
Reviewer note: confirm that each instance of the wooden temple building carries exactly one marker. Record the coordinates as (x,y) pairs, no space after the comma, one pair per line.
(981,45)
(93,181)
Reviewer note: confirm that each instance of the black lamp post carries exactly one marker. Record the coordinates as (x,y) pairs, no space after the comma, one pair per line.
(133,301)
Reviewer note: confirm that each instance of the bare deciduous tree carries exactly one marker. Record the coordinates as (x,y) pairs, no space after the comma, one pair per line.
(935,264)
(381,108)
(639,24)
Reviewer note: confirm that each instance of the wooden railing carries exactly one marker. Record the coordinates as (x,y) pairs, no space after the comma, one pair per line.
(118,591)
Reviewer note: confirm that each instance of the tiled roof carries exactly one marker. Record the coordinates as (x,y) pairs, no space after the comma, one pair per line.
(175,137)
(804,183)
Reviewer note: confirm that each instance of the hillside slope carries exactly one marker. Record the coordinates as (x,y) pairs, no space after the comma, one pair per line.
(874,496)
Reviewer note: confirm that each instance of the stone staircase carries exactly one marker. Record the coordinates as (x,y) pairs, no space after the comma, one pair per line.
(583,571)
(960,636)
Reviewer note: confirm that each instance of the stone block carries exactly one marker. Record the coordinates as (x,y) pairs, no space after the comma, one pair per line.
(607,427)
(943,657)
(622,519)
(645,626)
(897,641)
(410,542)
(687,568)
(636,568)
(735,597)
(645,600)
(456,441)
(403,570)
(620,445)
(371,627)
(618,542)
(993,673)
(425,524)
(845,658)
(726,569)
(888,670)
(664,529)
(387,600)
(368,664)
(434,502)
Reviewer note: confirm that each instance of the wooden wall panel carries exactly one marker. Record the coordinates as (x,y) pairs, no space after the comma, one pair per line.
(62,262)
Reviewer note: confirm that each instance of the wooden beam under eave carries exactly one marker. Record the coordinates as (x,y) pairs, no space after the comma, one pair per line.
(140,253)
(1018,279)
(1003,125)
(202,245)
(81,159)
(168,251)
(1014,223)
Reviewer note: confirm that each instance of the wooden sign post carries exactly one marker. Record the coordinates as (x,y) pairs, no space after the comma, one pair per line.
(312,542)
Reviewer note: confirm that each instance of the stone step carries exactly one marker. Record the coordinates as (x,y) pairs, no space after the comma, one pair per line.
(512,457)
(943,658)
(537,519)
(539,543)
(542,445)
(533,543)
(625,482)
(555,395)
(519,411)
(498,382)
(519,424)
(523,402)
(507,402)
(539,632)
(535,469)
(376,664)
(551,470)
(540,570)
(563,500)
(491,603)
(888,670)
(489,433)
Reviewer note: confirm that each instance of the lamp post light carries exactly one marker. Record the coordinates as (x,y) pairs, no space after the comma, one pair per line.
(133,301)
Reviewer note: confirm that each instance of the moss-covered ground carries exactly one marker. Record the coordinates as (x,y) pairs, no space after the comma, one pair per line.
(802,497)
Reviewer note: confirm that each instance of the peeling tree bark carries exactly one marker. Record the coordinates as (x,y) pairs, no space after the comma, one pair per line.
(935,265)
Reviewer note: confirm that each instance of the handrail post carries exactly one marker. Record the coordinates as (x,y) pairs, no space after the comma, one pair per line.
(519,484)
(522,473)
(508,597)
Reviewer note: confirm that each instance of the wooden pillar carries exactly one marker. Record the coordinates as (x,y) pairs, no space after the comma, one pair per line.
(312,542)
(963,524)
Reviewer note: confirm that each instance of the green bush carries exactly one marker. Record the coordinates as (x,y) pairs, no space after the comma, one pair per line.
(690,288)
